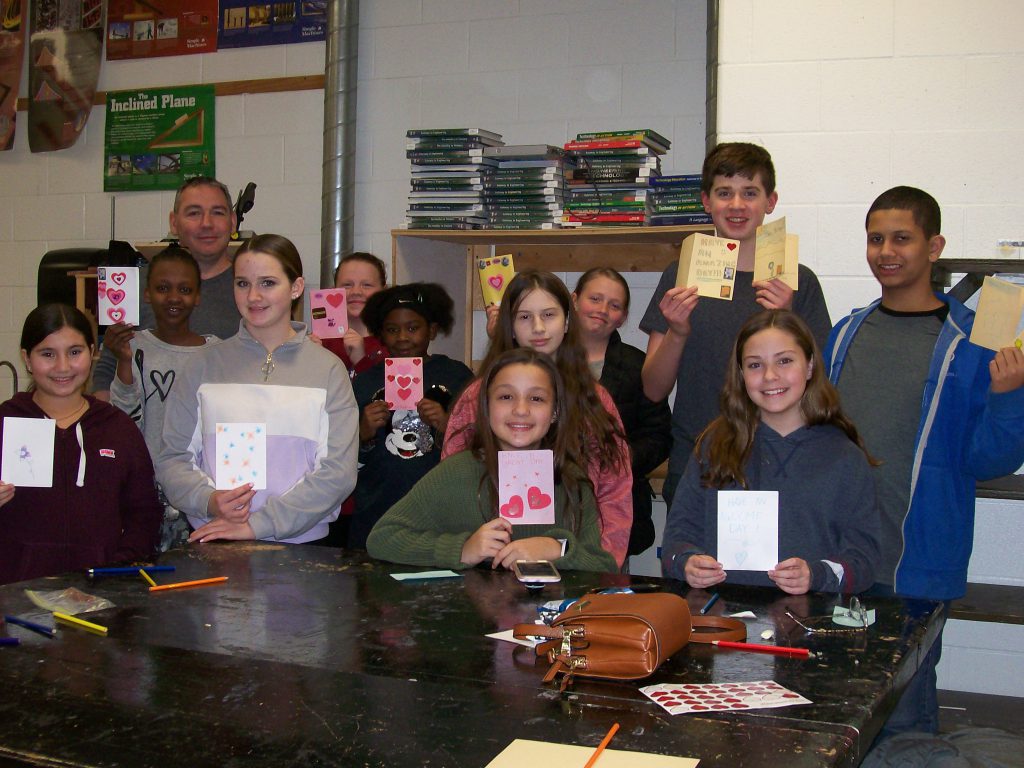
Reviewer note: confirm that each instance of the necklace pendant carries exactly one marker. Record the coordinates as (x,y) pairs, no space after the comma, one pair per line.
(268,366)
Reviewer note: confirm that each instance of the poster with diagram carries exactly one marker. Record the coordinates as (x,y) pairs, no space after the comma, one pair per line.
(140,29)
(158,138)
(244,23)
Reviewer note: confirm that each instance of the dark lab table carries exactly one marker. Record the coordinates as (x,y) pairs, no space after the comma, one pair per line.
(309,656)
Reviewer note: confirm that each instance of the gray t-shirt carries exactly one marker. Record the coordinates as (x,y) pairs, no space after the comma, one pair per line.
(216,315)
(714,327)
(882,385)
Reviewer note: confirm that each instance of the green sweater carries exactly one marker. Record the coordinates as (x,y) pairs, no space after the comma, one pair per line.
(432,522)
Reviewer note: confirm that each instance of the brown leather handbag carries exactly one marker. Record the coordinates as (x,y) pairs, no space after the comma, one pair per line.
(623,636)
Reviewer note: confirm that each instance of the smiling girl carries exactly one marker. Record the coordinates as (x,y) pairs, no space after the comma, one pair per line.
(450,517)
(102,505)
(269,373)
(780,429)
(362,275)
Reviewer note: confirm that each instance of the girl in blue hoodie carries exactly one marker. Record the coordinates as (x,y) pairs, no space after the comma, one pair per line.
(780,429)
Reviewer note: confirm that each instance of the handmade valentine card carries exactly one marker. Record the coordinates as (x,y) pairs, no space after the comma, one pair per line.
(710,264)
(329,312)
(117,295)
(495,274)
(241,455)
(678,699)
(748,530)
(403,382)
(526,487)
(776,254)
(27,458)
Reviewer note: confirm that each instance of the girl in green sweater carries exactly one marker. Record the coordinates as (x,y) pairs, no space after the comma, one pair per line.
(450,517)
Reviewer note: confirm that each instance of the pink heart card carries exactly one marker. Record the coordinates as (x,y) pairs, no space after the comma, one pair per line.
(526,487)
(117,295)
(329,312)
(495,274)
(403,382)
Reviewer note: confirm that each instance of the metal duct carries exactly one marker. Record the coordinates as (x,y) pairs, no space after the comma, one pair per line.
(339,174)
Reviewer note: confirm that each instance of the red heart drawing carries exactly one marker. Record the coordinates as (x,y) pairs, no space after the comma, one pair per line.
(391,377)
(404,393)
(115,296)
(514,508)
(391,406)
(731,246)
(417,361)
(496,282)
(335,299)
(415,379)
(116,314)
(537,498)
(404,381)
(389,361)
(118,277)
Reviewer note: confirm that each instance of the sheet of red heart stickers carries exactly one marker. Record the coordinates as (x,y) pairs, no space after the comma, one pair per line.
(721,697)
(403,382)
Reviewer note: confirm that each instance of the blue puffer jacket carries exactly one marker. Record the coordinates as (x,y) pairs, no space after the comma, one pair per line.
(965,434)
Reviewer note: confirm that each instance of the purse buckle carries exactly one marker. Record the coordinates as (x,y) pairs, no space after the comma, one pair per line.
(568,633)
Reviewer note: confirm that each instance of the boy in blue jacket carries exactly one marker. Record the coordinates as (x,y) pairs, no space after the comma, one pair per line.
(938,411)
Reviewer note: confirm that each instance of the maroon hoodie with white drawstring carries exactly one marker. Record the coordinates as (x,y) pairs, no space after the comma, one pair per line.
(102,507)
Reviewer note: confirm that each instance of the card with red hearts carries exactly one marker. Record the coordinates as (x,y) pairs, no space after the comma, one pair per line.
(403,382)
(117,295)
(495,274)
(526,487)
(329,312)
(679,699)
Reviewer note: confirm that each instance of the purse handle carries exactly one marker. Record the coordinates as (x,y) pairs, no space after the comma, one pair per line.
(707,629)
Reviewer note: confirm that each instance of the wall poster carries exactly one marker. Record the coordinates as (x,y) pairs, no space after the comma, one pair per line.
(139,29)
(245,23)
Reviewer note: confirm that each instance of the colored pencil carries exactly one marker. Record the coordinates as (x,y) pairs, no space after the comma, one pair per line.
(777,650)
(602,745)
(9,641)
(147,577)
(79,622)
(45,631)
(197,583)
(129,570)
(709,603)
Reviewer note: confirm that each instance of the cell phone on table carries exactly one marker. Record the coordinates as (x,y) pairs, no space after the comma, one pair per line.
(536,571)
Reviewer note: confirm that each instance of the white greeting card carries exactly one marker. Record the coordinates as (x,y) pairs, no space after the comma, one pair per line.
(403,382)
(27,459)
(748,530)
(526,487)
(328,310)
(241,455)
(117,295)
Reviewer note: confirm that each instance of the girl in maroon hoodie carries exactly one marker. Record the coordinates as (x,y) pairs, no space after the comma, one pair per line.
(102,505)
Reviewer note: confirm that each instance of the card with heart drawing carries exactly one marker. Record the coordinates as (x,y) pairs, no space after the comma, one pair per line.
(117,295)
(526,487)
(329,312)
(495,274)
(403,382)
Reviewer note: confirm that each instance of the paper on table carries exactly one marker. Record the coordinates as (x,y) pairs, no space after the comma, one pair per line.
(507,636)
(241,455)
(27,459)
(748,530)
(528,752)
(424,575)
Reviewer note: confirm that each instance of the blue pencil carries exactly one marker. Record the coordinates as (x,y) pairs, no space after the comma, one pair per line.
(709,603)
(45,631)
(9,641)
(133,570)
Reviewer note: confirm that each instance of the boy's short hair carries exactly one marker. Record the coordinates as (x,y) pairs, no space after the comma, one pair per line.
(922,206)
(203,181)
(176,253)
(738,158)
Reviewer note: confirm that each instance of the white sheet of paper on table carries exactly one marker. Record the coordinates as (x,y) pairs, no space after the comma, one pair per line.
(748,530)
(27,459)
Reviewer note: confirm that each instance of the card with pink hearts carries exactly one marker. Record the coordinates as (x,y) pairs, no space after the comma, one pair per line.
(678,699)
(403,382)
(526,487)
(117,295)
(495,274)
(329,312)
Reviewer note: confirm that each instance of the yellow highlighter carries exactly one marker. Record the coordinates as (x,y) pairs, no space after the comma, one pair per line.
(77,622)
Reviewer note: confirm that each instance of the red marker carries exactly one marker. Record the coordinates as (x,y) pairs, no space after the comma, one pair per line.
(776,650)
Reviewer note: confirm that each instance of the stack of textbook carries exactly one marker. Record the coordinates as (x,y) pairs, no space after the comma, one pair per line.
(675,200)
(614,170)
(449,176)
(527,189)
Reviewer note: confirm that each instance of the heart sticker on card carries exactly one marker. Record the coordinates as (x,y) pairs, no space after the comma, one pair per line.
(116,314)
(404,381)
(335,299)
(496,282)
(115,296)
(731,246)
(536,498)
(118,277)
(514,508)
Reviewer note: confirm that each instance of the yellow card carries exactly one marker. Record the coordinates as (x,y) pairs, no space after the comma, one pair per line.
(776,254)
(527,752)
(495,274)
(999,321)
(709,263)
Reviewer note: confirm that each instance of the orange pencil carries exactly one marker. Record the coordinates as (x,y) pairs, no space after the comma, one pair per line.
(197,583)
(600,747)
